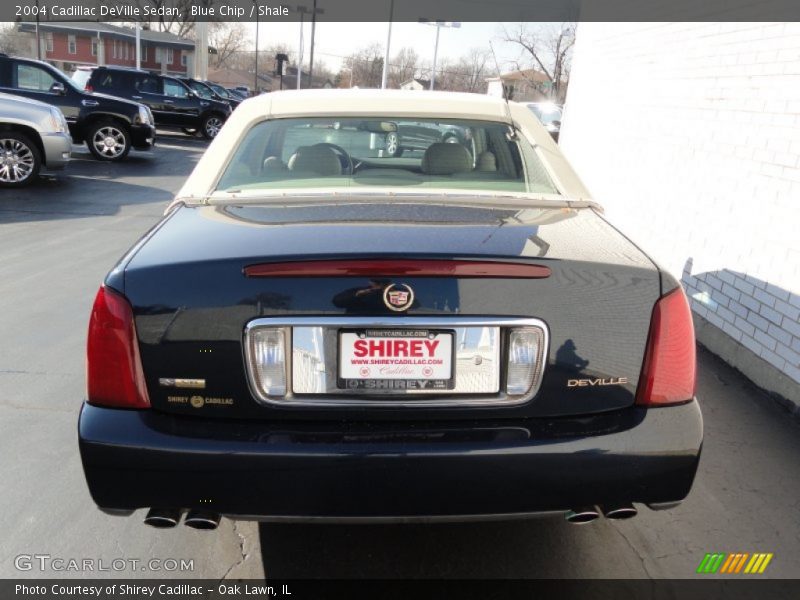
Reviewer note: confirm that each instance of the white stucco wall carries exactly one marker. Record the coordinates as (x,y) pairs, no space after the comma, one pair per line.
(689,135)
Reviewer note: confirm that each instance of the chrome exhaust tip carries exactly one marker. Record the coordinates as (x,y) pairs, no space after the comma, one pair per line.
(162,518)
(198,519)
(623,511)
(580,516)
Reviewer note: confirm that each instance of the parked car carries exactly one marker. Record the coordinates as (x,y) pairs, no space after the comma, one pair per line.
(109,126)
(32,135)
(243,90)
(549,115)
(316,331)
(205,90)
(238,93)
(233,100)
(171,101)
(418,136)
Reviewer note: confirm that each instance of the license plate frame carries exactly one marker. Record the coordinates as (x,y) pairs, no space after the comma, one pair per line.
(398,383)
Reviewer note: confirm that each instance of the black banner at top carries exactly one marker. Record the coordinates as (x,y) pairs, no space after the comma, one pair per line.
(400,10)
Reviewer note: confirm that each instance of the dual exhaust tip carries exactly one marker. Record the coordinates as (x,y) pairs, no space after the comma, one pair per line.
(165,518)
(587,514)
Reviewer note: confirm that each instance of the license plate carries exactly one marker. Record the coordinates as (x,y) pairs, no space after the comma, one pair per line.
(396,359)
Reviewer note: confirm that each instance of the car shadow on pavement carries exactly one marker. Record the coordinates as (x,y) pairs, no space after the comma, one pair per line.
(541,547)
(74,197)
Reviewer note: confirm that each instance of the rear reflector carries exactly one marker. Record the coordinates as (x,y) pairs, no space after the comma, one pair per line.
(114,374)
(266,361)
(525,359)
(397,268)
(669,369)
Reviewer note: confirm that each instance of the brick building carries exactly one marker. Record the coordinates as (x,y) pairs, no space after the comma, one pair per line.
(689,135)
(67,45)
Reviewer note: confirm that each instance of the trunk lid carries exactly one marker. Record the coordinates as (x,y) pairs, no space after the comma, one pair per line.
(192,301)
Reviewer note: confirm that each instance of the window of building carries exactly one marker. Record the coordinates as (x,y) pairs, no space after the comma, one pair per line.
(144,52)
(94,46)
(164,56)
(48,37)
(72,45)
(183,59)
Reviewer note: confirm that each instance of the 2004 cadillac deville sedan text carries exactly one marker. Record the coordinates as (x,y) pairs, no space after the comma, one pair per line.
(322,329)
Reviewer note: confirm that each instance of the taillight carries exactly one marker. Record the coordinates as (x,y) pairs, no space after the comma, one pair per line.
(88,88)
(114,374)
(668,372)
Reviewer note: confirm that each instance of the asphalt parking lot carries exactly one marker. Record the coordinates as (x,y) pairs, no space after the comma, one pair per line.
(57,241)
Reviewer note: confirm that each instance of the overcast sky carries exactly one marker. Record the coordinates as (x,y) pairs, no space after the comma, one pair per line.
(335,41)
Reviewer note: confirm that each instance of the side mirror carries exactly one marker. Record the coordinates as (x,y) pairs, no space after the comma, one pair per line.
(58,88)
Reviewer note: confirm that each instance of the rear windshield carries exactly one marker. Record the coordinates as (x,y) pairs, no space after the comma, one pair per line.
(385,152)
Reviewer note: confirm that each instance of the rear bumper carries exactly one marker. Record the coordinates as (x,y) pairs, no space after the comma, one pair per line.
(136,459)
(143,137)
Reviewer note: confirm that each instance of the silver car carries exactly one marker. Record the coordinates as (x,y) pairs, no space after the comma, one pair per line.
(33,135)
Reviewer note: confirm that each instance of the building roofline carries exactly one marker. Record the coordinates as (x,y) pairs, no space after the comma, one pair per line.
(110,31)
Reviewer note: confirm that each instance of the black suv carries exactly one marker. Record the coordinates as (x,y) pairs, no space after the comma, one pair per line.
(206,90)
(109,126)
(173,103)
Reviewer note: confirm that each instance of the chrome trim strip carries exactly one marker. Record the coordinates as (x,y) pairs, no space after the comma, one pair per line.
(399,519)
(343,401)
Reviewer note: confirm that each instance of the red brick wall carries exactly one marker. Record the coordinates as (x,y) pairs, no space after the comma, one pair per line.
(84,52)
(122,46)
(83,48)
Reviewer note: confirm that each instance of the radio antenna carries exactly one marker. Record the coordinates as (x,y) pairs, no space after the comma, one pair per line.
(497,66)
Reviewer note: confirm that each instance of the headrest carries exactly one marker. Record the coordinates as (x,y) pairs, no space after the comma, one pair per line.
(486,162)
(316,159)
(272,163)
(443,158)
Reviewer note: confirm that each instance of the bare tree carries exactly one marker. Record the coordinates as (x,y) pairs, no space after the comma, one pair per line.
(403,67)
(11,41)
(547,50)
(363,68)
(471,71)
(465,74)
(177,22)
(228,39)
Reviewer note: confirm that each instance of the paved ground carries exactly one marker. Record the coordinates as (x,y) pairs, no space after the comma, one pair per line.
(58,239)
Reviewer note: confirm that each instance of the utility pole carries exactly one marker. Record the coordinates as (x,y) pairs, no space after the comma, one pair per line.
(385,75)
(438,25)
(314,12)
(302,10)
(38,41)
(138,45)
(201,51)
(255,77)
